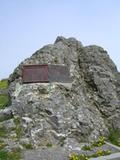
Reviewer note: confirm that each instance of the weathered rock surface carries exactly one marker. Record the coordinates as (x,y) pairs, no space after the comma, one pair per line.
(55,113)
(6,114)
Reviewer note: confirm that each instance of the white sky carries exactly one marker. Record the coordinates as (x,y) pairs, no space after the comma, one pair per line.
(27,25)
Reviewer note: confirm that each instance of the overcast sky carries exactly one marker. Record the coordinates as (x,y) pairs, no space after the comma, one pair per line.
(27,25)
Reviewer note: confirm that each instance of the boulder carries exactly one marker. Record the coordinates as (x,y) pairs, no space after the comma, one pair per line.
(81,110)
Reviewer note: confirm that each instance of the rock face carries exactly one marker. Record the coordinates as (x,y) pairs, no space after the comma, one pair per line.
(63,114)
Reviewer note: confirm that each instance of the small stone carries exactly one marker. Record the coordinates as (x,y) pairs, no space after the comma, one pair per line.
(27,119)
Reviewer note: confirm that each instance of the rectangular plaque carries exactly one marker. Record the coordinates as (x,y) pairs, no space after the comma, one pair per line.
(45,73)
(35,73)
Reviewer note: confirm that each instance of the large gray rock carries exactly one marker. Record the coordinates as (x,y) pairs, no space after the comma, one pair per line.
(83,110)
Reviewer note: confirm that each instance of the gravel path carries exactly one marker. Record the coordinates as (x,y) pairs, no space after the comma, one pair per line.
(60,153)
(46,154)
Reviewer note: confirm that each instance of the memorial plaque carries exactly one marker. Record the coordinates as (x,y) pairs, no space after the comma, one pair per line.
(45,73)
(35,73)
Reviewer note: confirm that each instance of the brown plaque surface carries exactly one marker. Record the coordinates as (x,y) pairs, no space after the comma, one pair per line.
(35,73)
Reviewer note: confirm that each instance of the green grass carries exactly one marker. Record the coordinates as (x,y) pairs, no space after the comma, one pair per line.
(98,143)
(13,155)
(4,101)
(3,131)
(114,137)
(86,148)
(4,84)
(4,98)
(3,155)
(78,157)
(2,144)
(98,153)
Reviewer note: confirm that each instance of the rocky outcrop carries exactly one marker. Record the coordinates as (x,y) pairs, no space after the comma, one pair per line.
(56,113)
